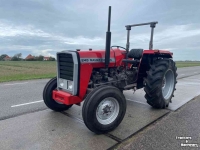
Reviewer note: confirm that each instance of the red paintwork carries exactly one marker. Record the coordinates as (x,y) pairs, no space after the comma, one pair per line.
(86,71)
(65,98)
(114,53)
(119,56)
(157,52)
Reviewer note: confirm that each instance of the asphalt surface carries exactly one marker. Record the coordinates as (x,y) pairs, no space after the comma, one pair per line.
(21,92)
(171,132)
(21,97)
(188,71)
(186,89)
(46,129)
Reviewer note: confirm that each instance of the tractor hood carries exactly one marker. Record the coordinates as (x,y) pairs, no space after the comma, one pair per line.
(98,57)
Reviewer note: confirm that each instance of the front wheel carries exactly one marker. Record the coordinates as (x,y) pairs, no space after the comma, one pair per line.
(160,83)
(47,96)
(104,109)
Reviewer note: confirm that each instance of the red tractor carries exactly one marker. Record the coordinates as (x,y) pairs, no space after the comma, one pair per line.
(98,77)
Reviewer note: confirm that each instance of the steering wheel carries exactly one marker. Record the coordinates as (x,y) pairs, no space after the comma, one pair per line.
(118,47)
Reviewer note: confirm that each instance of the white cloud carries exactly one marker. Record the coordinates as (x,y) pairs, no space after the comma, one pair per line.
(45,28)
(46,52)
(174,37)
(7,30)
(177,32)
(80,40)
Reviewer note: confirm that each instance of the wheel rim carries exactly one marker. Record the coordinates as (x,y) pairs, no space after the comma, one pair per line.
(168,84)
(107,110)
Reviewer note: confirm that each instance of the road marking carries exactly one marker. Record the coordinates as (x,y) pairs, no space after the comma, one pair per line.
(137,101)
(182,74)
(16,83)
(27,103)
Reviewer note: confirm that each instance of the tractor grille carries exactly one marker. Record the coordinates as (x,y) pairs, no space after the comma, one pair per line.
(66,66)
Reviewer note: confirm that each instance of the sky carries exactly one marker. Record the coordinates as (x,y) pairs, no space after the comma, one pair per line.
(44,27)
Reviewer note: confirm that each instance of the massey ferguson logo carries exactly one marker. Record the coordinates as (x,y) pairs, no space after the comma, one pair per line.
(95,60)
(84,60)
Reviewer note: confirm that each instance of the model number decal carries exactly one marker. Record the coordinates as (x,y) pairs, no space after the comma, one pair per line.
(95,60)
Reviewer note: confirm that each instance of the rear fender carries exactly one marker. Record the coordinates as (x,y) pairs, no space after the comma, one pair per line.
(158,53)
(147,59)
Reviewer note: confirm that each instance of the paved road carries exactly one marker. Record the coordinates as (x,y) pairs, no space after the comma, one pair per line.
(168,133)
(188,71)
(51,130)
(21,92)
(21,97)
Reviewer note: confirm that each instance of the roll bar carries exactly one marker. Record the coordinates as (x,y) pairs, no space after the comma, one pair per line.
(128,28)
(142,24)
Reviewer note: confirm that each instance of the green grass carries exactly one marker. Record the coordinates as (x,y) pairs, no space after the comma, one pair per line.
(26,70)
(181,64)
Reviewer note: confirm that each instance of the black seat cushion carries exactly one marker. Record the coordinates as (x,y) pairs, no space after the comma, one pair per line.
(135,53)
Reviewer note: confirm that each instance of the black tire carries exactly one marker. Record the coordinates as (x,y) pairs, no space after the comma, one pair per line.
(154,83)
(91,103)
(47,96)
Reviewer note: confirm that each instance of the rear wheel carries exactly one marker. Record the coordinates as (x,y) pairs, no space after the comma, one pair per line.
(47,96)
(160,83)
(104,109)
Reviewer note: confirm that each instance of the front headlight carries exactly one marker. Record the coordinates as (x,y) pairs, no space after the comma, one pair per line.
(61,83)
(65,84)
(70,85)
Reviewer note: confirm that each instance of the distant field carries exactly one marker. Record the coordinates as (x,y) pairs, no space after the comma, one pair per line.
(180,64)
(25,70)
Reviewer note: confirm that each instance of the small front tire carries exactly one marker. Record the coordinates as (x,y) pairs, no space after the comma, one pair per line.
(104,109)
(47,96)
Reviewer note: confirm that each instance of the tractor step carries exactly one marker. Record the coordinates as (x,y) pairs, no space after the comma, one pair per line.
(130,86)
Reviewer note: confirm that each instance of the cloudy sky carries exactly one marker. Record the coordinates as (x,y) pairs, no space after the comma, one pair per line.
(48,26)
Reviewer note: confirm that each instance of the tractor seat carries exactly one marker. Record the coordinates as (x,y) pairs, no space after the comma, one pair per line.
(135,53)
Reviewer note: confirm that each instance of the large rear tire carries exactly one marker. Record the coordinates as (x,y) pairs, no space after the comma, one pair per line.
(160,83)
(104,109)
(47,96)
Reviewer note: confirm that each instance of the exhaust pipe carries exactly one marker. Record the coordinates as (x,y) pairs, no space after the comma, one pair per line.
(108,40)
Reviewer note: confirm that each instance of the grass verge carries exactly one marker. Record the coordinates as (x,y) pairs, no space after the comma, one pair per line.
(26,70)
(181,64)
